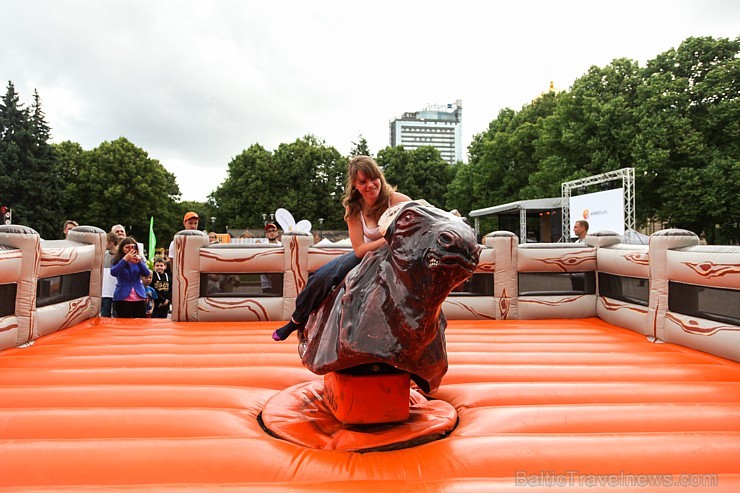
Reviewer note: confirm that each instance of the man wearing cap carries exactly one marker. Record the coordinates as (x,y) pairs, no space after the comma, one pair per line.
(190,221)
(271,233)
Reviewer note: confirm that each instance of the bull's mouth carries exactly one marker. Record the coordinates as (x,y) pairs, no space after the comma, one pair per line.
(434,261)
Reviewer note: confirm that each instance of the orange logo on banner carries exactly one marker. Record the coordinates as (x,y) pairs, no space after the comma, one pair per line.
(585,214)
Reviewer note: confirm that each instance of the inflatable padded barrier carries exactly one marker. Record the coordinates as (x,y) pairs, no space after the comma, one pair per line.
(565,405)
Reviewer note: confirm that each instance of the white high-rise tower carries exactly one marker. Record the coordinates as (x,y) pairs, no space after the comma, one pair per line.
(439,126)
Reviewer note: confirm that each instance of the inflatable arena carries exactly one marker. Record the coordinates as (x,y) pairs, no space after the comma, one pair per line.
(598,366)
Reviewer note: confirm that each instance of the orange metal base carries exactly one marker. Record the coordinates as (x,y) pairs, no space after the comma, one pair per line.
(368,399)
(300,414)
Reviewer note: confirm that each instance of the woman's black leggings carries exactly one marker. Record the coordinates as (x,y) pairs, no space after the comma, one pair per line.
(130,309)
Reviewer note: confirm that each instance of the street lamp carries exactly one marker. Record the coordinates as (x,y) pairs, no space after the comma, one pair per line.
(264,219)
(321,227)
(213,223)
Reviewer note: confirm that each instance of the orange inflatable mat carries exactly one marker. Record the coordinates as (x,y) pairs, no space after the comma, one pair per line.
(548,405)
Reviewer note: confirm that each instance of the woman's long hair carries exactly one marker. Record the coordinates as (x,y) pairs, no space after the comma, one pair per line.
(351,198)
(120,253)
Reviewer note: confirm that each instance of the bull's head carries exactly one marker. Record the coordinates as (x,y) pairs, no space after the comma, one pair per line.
(388,310)
(428,245)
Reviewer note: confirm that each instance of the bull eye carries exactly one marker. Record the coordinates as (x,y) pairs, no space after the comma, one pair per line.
(446,238)
(407,217)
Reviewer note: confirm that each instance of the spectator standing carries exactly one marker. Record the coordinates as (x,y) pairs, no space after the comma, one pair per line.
(190,222)
(580,229)
(109,281)
(163,286)
(120,231)
(151,294)
(269,282)
(129,297)
(271,233)
(68,226)
(578,279)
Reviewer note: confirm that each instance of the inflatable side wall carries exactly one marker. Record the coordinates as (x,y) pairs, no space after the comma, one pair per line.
(477,307)
(196,262)
(57,283)
(565,259)
(704,282)
(626,285)
(19,266)
(670,290)
(633,262)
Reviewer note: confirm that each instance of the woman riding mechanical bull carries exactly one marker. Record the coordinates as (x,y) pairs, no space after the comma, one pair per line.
(366,197)
(387,311)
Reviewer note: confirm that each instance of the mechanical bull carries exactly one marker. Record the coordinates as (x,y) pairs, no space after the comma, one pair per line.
(386,316)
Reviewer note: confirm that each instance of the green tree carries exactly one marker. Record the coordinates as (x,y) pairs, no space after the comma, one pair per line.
(306,177)
(360,148)
(70,158)
(689,136)
(476,187)
(504,158)
(712,196)
(676,121)
(248,191)
(460,194)
(29,183)
(312,183)
(420,173)
(118,183)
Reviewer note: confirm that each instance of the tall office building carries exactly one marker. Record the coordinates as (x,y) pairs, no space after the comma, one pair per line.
(438,126)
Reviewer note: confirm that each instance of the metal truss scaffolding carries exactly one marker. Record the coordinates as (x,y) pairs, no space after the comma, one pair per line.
(627,175)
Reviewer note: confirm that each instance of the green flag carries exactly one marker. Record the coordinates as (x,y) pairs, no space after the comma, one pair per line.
(152,240)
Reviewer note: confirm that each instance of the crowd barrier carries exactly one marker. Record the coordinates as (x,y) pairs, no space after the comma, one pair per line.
(672,290)
(46,286)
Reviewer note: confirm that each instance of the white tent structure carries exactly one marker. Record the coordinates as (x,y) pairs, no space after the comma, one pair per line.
(521,207)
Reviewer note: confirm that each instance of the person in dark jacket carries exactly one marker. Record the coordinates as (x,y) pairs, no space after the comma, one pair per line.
(129,297)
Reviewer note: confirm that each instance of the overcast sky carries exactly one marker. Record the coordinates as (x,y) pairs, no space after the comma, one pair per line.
(194,83)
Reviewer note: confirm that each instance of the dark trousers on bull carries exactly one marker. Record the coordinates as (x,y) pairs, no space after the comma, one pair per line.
(321,283)
(317,289)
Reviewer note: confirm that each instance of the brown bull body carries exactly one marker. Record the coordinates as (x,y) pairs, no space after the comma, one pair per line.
(387,311)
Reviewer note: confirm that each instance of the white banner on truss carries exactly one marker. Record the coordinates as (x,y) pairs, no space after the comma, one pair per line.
(604,211)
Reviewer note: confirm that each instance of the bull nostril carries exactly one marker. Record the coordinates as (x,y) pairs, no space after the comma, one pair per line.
(446,238)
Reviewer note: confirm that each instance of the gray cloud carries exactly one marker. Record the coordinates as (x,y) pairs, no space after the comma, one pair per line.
(195,83)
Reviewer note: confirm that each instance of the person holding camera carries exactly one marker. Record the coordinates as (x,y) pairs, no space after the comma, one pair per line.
(129,297)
